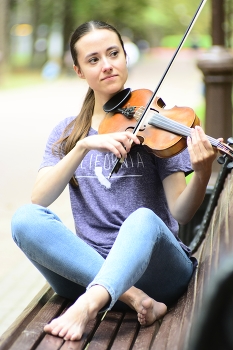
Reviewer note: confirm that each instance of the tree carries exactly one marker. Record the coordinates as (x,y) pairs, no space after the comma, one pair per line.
(3,34)
(145,19)
(150,20)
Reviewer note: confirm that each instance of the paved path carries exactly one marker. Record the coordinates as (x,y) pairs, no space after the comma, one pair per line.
(27,116)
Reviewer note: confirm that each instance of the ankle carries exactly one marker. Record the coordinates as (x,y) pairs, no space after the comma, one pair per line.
(98,297)
(130,296)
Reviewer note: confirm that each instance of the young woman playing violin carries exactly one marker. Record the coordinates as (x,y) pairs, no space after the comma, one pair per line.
(126,252)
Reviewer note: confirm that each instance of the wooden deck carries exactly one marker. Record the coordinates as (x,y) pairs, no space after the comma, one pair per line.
(178,330)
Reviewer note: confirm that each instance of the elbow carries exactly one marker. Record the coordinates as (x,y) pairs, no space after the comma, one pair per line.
(184,220)
(36,200)
(41,199)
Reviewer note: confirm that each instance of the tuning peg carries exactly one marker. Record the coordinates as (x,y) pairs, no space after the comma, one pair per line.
(230,165)
(221,159)
(230,141)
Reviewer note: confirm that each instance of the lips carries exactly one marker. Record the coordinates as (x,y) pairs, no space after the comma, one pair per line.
(109,77)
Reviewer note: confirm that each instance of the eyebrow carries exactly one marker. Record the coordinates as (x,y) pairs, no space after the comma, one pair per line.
(108,49)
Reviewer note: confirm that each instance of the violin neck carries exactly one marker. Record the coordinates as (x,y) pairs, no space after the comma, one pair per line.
(159,121)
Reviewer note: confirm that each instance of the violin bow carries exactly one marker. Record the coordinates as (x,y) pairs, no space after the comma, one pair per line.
(119,161)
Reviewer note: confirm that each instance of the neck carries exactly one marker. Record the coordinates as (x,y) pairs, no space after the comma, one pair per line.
(98,114)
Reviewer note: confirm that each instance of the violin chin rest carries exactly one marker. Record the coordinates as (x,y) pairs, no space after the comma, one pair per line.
(117,101)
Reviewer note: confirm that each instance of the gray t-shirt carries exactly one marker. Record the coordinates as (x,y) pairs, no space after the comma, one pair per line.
(100,205)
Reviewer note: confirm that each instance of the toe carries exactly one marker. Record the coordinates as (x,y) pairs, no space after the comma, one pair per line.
(56,330)
(63,332)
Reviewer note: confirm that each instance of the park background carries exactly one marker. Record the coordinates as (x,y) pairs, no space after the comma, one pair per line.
(38,88)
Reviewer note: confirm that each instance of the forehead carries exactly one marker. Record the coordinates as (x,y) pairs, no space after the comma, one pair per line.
(96,39)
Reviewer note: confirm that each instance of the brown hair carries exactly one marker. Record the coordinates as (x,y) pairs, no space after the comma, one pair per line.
(79,127)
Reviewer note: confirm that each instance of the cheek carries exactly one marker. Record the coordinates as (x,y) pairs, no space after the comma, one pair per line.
(125,70)
(92,79)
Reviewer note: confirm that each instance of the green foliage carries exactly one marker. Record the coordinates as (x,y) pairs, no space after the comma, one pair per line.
(144,19)
(162,19)
(200,112)
(160,23)
(203,41)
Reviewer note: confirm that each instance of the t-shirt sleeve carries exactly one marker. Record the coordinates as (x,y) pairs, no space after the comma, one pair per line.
(180,162)
(51,158)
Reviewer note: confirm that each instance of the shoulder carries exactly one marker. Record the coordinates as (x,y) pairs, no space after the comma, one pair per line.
(59,129)
(50,158)
(62,125)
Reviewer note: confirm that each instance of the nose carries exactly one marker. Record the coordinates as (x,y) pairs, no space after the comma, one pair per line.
(106,65)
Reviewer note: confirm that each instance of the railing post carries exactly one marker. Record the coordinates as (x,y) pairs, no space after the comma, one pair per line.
(217,67)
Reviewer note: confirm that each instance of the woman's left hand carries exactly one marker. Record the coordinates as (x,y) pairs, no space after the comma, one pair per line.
(202,154)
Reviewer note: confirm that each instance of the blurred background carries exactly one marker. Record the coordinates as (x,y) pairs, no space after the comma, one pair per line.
(38,88)
(36,32)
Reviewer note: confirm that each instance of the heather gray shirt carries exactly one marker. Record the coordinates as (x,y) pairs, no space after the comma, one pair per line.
(100,205)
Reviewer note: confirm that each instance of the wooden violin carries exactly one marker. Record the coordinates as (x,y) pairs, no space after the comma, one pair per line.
(141,117)
(163,131)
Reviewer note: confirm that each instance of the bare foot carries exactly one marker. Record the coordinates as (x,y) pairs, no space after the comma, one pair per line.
(148,309)
(151,311)
(71,325)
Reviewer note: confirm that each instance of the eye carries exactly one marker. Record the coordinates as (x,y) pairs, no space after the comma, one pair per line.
(93,60)
(114,53)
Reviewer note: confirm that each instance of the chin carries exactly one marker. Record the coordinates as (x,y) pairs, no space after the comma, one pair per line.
(114,90)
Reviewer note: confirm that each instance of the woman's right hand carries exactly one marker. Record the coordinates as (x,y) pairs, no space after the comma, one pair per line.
(119,143)
(51,181)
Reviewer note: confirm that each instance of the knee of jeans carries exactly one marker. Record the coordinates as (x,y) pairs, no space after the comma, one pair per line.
(143,214)
(21,221)
(145,219)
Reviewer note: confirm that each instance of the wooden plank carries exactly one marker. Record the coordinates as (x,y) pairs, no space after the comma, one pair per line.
(226,220)
(26,317)
(180,320)
(177,321)
(189,307)
(106,331)
(50,342)
(145,336)
(175,325)
(216,241)
(160,341)
(225,229)
(127,332)
(202,269)
(33,333)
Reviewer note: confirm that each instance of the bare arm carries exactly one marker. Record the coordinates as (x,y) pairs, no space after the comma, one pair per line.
(183,201)
(51,181)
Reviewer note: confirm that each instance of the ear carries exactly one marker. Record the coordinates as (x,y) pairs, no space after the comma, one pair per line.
(78,72)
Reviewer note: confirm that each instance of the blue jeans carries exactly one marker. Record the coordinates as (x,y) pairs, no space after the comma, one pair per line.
(145,254)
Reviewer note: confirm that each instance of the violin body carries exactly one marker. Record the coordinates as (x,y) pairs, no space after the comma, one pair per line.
(157,140)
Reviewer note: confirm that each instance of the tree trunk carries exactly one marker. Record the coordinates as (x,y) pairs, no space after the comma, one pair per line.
(3,35)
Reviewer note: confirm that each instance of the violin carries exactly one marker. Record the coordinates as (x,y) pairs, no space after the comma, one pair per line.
(163,131)
(157,131)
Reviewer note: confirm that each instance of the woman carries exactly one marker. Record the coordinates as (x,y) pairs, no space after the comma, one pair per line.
(126,247)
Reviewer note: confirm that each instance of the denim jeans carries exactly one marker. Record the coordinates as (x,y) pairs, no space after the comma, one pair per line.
(145,255)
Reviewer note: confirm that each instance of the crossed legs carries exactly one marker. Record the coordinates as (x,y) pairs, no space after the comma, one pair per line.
(139,252)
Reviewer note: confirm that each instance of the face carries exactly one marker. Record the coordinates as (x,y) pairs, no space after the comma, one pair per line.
(102,62)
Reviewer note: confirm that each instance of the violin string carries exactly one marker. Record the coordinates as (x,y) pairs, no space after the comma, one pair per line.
(165,123)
